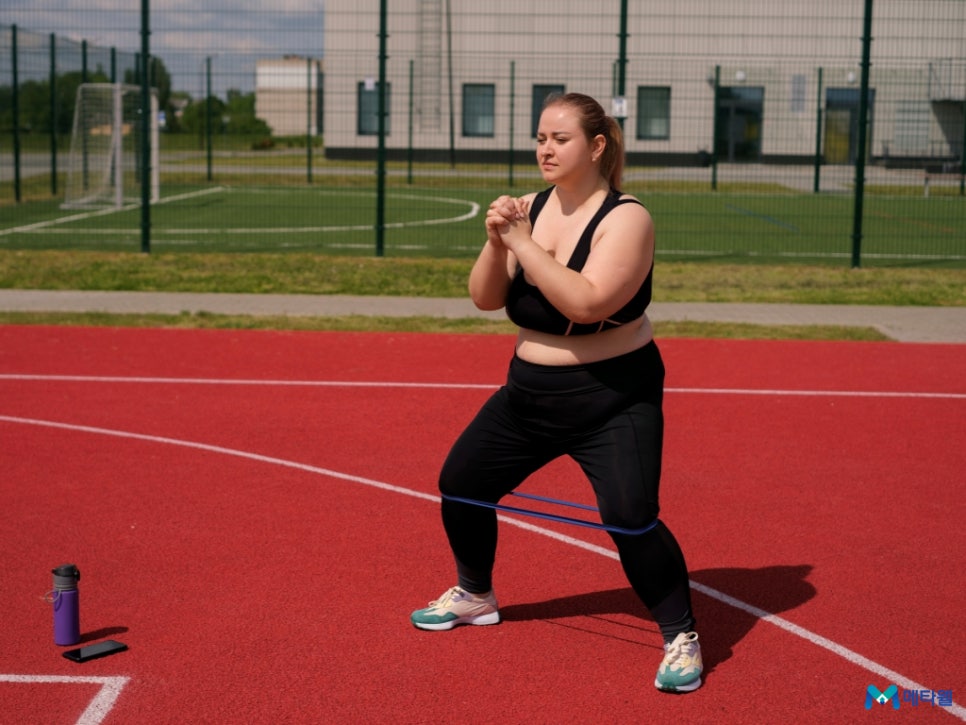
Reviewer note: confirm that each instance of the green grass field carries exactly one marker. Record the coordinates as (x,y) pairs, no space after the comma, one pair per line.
(446,221)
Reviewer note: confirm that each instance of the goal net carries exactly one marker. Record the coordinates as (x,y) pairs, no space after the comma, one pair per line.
(104,167)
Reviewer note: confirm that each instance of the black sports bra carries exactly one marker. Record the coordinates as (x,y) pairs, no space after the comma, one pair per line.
(527,307)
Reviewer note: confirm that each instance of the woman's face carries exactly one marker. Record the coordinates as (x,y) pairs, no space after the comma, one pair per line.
(562,147)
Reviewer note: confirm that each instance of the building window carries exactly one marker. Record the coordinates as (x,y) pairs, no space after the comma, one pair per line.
(479,100)
(653,112)
(540,93)
(739,119)
(797,91)
(367,110)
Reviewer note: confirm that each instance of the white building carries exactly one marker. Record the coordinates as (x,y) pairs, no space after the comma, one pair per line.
(780,80)
(288,95)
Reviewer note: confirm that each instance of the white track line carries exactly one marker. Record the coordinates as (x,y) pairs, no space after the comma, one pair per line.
(97,709)
(451,386)
(853,657)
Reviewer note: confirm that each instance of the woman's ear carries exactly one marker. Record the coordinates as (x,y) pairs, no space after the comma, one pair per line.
(597,146)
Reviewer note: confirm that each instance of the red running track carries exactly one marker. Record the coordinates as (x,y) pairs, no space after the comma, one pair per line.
(254,514)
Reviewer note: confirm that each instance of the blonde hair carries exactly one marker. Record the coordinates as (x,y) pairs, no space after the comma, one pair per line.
(595,122)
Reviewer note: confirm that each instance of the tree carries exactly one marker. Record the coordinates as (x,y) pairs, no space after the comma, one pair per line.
(193,118)
(34,103)
(160,80)
(159,77)
(236,117)
(241,118)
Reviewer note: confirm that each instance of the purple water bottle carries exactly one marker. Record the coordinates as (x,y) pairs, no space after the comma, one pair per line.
(66,605)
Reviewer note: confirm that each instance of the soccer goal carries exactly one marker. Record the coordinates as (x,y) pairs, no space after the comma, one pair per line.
(105,160)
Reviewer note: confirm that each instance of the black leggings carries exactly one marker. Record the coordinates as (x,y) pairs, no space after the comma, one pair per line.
(607,416)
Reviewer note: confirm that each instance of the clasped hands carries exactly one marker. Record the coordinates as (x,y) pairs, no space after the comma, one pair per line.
(507,220)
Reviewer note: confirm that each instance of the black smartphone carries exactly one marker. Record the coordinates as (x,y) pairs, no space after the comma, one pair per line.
(93,651)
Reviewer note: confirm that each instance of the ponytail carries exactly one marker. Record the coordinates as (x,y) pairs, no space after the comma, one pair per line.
(612,160)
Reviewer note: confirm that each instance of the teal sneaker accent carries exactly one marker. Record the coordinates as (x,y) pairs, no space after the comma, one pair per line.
(457,606)
(680,670)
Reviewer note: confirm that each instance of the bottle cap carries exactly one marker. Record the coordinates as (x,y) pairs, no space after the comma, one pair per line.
(66,577)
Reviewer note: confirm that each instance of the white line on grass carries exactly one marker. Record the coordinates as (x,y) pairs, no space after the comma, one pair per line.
(97,709)
(451,386)
(103,212)
(853,657)
(474,210)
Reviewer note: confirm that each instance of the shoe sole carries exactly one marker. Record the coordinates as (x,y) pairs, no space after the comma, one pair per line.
(690,687)
(479,620)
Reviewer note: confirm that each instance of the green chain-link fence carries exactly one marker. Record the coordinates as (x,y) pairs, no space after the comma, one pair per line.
(743,123)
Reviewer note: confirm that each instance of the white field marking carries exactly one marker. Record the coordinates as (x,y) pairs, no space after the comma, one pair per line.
(99,707)
(467,386)
(474,210)
(103,212)
(854,658)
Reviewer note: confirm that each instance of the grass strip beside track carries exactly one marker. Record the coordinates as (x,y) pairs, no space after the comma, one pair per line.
(468,325)
(309,273)
(304,273)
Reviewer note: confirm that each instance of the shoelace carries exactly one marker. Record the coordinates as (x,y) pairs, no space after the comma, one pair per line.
(680,651)
(448,596)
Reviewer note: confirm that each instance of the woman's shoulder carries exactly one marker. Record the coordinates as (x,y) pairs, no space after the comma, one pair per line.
(628,213)
(622,197)
(627,204)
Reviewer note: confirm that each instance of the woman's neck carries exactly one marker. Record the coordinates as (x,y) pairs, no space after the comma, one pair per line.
(574,196)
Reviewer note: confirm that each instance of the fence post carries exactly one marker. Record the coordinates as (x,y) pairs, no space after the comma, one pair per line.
(962,157)
(381,153)
(714,130)
(622,58)
(208,151)
(818,135)
(15,111)
(53,115)
(863,138)
(409,126)
(308,120)
(146,122)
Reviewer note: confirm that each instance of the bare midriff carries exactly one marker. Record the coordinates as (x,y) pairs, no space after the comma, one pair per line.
(545,349)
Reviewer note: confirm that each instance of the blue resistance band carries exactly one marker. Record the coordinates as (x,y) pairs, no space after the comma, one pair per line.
(554,517)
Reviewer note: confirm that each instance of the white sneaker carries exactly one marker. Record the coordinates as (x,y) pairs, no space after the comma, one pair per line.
(457,606)
(680,670)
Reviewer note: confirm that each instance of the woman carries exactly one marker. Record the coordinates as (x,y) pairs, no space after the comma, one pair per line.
(573,266)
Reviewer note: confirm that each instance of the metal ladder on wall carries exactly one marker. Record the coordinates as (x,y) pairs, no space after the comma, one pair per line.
(428,84)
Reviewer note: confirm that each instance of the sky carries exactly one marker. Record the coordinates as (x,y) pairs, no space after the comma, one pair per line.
(184,33)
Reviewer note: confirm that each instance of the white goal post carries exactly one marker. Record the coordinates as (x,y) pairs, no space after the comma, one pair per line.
(105,159)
